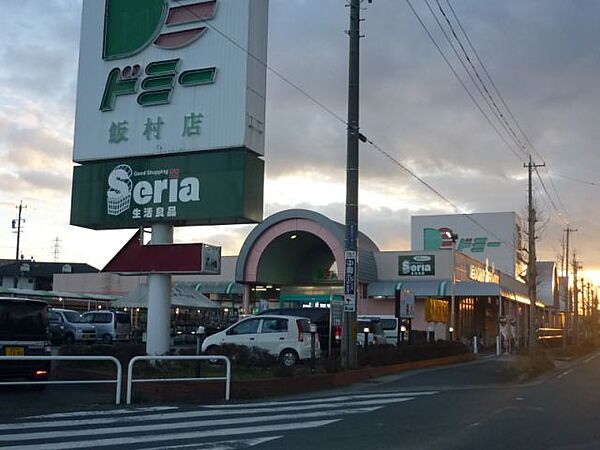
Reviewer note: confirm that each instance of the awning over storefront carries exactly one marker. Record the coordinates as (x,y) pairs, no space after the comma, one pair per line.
(308,298)
(443,288)
(183,297)
(54,294)
(219,287)
(425,288)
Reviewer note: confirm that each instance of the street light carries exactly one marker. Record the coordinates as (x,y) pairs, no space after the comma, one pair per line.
(366,331)
(402,331)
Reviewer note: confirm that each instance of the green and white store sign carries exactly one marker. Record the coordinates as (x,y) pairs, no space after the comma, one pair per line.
(156,77)
(223,187)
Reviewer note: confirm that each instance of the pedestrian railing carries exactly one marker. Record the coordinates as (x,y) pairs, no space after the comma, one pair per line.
(131,380)
(116,380)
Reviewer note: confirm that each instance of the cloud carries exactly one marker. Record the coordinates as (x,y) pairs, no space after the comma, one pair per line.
(542,55)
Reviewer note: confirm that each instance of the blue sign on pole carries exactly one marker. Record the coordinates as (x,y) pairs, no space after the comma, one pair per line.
(350,282)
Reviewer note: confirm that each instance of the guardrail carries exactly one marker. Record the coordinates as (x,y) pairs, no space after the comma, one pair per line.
(117,380)
(131,380)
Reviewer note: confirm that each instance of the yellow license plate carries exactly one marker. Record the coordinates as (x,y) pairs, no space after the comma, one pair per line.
(14,351)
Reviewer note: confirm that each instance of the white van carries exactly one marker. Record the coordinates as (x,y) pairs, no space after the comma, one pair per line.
(110,325)
(389,324)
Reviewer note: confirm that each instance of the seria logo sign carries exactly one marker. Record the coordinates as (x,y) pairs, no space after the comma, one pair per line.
(417,265)
(131,26)
(156,199)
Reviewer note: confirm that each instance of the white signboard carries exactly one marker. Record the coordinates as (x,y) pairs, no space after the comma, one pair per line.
(160,76)
(407,304)
(488,237)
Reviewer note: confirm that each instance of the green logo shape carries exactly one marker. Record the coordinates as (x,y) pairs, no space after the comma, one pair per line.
(131,25)
(432,239)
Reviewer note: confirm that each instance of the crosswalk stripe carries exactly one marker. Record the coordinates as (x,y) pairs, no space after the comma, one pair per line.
(194,414)
(221,445)
(46,435)
(102,413)
(324,399)
(131,440)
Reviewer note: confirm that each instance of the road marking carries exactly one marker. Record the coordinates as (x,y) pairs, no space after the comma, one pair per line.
(131,440)
(591,357)
(325,399)
(192,414)
(566,372)
(169,426)
(221,445)
(102,413)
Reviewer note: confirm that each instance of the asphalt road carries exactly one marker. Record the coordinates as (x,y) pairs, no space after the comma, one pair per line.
(471,406)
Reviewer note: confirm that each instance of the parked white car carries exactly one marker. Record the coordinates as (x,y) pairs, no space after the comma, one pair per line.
(287,337)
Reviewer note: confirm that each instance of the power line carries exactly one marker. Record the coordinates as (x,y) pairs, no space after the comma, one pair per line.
(577,180)
(267,66)
(433,189)
(492,102)
(459,79)
(362,137)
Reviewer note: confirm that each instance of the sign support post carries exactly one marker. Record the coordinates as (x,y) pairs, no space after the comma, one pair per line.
(159,299)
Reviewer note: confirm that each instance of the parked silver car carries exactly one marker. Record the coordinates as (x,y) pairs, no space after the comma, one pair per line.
(67,326)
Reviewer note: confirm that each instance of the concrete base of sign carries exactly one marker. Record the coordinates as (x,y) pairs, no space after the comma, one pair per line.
(159,299)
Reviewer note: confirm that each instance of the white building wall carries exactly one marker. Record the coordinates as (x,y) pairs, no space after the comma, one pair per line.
(504,228)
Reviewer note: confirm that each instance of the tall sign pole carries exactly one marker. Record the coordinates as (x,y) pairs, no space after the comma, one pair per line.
(170,124)
(531,269)
(348,349)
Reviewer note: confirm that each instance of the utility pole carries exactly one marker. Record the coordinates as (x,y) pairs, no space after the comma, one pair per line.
(576,266)
(568,305)
(531,269)
(16,224)
(348,349)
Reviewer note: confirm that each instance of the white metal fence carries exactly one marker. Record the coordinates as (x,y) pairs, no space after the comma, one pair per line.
(116,381)
(131,380)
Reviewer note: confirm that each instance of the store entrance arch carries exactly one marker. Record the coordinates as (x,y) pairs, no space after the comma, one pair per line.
(290,259)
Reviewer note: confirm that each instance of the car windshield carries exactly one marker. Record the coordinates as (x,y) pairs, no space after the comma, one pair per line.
(97,318)
(23,320)
(73,316)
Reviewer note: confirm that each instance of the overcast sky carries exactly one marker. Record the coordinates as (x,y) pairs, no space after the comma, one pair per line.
(543,56)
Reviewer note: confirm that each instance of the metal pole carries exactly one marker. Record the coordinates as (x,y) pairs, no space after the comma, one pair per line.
(568,304)
(159,299)
(348,348)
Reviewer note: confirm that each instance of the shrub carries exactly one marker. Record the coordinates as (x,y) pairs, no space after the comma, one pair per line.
(380,355)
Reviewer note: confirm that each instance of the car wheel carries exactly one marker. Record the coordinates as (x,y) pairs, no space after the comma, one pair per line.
(68,338)
(212,350)
(288,357)
(107,339)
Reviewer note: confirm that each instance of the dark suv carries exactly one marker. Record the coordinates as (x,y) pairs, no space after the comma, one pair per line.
(24,332)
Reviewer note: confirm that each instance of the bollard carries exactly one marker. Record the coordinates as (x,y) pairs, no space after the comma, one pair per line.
(475,349)
(313,332)
(498,347)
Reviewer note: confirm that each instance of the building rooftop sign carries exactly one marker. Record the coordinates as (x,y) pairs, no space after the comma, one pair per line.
(159,77)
